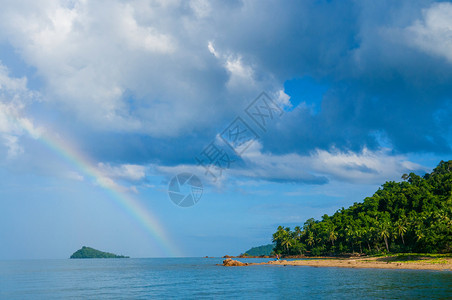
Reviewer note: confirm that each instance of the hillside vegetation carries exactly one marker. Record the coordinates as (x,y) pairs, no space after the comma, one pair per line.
(414,215)
(261,250)
(87,252)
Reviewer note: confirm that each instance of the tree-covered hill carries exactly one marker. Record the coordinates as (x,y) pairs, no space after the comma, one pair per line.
(414,215)
(87,252)
(261,250)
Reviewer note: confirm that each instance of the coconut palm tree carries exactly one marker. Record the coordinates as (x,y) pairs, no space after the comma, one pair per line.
(385,232)
(332,234)
(349,236)
(287,242)
(400,228)
(297,232)
(310,239)
(359,232)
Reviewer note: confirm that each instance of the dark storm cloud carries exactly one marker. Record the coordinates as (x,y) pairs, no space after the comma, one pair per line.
(378,86)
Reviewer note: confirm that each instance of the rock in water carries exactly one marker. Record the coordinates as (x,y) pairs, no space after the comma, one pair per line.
(233,263)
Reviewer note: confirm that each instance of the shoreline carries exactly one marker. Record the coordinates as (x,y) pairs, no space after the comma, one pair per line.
(444,264)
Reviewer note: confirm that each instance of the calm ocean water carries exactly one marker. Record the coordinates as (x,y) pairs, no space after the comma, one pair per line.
(202,278)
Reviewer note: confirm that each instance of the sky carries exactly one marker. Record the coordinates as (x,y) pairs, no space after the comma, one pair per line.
(282,111)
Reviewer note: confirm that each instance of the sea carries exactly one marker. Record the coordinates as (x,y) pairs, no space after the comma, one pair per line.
(198,278)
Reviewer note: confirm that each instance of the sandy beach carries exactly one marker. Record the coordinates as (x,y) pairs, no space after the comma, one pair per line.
(417,263)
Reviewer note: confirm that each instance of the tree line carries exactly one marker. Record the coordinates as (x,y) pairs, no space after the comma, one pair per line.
(414,215)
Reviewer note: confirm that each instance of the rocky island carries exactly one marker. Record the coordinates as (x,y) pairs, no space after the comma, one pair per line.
(87,252)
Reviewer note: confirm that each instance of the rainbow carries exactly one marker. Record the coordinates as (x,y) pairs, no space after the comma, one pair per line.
(83,164)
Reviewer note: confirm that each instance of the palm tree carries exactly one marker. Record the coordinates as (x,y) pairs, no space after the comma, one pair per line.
(332,235)
(287,242)
(419,227)
(419,231)
(367,234)
(349,236)
(297,232)
(310,239)
(279,234)
(279,237)
(401,228)
(359,233)
(385,232)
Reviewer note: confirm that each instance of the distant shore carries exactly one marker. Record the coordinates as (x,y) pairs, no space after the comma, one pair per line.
(386,262)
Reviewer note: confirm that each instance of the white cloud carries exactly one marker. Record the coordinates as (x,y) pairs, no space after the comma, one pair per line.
(8,84)
(144,37)
(212,50)
(201,8)
(107,182)
(241,75)
(365,167)
(125,171)
(75,176)
(433,34)
(123,177)
(140,66)
(80,55)
(283,100)
(14,96)
(199,171)
(11,142)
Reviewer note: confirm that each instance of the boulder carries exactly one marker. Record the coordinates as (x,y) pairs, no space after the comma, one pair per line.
(233,263)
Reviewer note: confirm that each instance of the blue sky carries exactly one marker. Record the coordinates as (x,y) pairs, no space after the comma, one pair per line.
(132,92)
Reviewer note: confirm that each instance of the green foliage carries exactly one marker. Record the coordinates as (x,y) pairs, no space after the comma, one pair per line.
(261,250)
(87,252)
(414,215)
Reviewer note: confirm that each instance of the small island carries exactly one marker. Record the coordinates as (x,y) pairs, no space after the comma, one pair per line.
(87,252)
